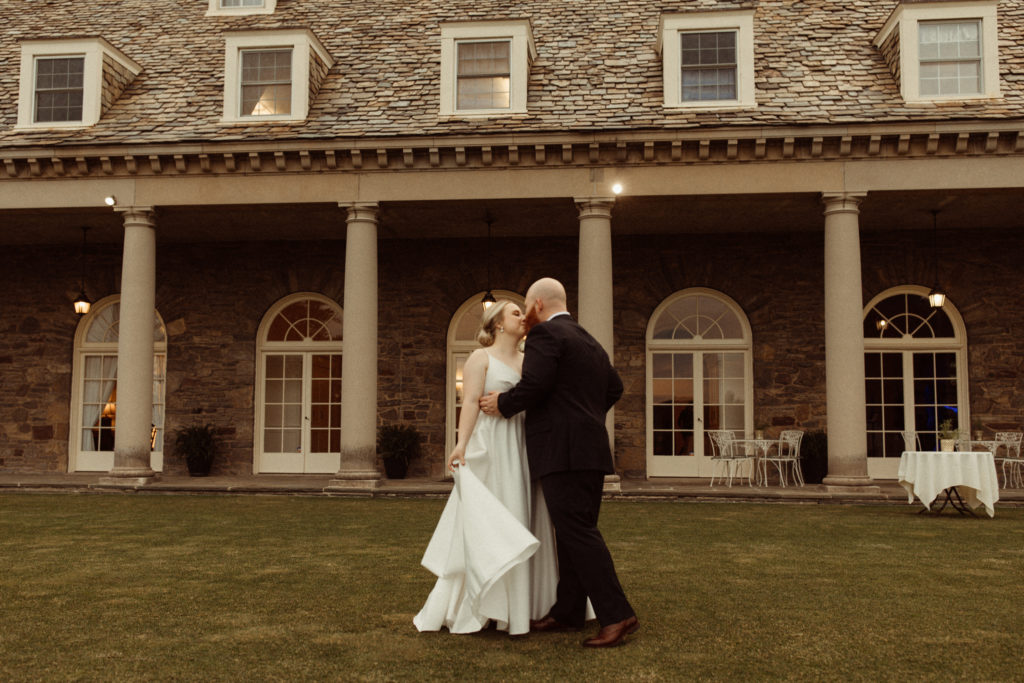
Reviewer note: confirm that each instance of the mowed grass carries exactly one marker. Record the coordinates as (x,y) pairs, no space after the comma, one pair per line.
(154,587)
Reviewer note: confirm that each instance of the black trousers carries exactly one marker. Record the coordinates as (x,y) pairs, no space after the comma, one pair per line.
(585,567)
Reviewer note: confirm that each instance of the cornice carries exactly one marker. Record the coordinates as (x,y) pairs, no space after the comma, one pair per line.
(635,148)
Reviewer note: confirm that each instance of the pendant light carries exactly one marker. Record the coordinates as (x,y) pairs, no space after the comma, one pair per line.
(488,299)
(82,303)
(936,297)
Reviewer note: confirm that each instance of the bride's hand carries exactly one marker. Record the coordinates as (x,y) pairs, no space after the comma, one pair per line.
(457,458)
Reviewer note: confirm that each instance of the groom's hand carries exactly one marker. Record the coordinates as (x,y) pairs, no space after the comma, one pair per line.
(489,403)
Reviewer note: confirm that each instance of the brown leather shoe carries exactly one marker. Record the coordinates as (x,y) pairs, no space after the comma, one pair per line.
(549,624)
(613,634)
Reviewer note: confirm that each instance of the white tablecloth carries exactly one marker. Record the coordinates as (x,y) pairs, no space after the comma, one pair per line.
(926,474)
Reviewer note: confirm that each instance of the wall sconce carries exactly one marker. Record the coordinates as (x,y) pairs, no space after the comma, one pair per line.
(617,188)
(82,303)
(488,299)
(110,200)
(936,298)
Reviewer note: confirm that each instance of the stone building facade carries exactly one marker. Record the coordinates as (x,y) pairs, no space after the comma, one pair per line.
(799,217)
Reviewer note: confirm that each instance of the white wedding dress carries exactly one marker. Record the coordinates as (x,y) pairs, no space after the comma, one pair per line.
(493,550)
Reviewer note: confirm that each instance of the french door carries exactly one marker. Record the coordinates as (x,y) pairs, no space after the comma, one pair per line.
(301,416)
(907,390)
(692,392)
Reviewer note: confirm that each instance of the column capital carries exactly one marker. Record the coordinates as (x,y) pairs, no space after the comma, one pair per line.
(594,207)
(361,211)
(137,214)
(842,202)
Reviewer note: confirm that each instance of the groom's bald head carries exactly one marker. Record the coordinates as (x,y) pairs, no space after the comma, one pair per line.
(547,289)
(544,298)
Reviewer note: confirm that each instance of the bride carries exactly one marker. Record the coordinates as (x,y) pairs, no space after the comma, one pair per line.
(493,548)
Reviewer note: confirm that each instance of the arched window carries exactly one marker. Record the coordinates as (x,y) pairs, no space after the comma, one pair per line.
(298,386)
(699,370)
(94,393)
(915,373)
(462,342)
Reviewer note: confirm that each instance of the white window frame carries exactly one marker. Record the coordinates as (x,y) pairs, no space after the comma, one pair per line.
(217,10)
(264,348)
(906,19)
(300,41)
(744,345)
(886,468)
(93,50)
(82,348)
(672,25)
(522,52)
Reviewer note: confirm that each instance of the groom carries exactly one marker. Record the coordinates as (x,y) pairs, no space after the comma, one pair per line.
(567,387)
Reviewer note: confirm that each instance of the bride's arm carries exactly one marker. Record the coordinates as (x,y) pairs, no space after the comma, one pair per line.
(473,375)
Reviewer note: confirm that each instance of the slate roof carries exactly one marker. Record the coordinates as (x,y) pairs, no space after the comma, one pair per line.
(597,67)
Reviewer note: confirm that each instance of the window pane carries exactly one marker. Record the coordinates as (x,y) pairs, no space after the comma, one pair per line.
(950,56)
(266,82)
(58,88)
(708,66)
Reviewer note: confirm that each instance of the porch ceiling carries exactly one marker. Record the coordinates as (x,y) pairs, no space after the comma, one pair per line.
(633,215)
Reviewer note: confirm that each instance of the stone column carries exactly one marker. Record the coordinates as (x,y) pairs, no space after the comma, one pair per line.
(135,352)
(359,360)
(595,287)
(844,344)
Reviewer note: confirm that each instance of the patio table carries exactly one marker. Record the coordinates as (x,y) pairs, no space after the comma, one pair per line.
(760,448)
(927,474)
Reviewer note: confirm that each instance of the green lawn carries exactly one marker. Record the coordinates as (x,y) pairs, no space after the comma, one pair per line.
(155,587)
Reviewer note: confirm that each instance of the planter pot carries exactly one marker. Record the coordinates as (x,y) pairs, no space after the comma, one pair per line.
(198,467)
(395,468)
(947,444)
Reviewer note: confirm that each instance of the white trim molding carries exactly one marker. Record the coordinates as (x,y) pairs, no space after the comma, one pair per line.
(95,51)
(304,47)
(900,33)
(672,25)
(522,52)
(217,9)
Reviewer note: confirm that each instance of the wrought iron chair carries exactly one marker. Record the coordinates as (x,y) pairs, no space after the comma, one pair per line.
(1012,461)
(725,453)
(911,441)
(787,457)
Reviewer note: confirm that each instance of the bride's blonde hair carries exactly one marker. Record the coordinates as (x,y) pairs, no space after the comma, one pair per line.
(490,321)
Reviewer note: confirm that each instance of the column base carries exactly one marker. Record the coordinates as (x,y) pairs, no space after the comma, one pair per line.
(117,481)
(355,481)
(850,485)
(612,483)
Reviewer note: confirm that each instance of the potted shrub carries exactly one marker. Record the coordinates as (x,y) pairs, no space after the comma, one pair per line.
(398,445)
(948,434)
(198,445)
(814,457)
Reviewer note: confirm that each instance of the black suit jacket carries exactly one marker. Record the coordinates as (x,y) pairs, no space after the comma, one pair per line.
(567,387)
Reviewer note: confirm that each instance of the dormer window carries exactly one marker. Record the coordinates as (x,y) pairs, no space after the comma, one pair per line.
(484,74)
(266,82)
(950,54)
(70,82)
(240,7)
(708,59)
(60,83)
(272,75)
(942,50)
(485,67)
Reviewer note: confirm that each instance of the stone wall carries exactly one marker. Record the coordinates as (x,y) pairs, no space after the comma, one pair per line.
(213,296)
